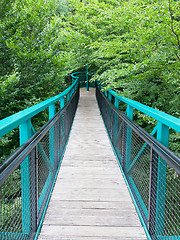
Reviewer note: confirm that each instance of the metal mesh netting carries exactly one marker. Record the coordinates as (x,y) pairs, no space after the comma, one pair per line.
(165,201)
(27,181)
(154,183)
(139,169)
(11,207)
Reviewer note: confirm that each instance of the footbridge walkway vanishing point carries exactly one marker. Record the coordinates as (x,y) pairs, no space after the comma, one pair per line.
(90,172)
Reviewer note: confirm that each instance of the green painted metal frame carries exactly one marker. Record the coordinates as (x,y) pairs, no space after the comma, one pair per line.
(86,75)
(15,120)
(161,117)
(164,122)
(162,134)
(23,120)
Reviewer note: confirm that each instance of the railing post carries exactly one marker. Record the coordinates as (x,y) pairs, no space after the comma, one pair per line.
(162,137)
(52,111)
(109,96)
(34,198)
(116,103)
(129,113)
(62,102)
(25,134)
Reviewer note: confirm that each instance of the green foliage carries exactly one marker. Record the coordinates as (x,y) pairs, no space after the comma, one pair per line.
(30,53)
(131,46)
(31,68)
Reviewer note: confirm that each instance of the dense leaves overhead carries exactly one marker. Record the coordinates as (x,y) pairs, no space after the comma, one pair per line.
(131,46)
(31,68)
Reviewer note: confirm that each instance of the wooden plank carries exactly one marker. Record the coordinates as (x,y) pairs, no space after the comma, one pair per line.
(88,238)
(74,204)
(93,231)
(90,200)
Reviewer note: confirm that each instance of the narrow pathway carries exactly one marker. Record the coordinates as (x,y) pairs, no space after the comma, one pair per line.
(90,200)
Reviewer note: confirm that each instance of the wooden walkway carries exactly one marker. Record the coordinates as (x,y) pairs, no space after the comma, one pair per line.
(90,200)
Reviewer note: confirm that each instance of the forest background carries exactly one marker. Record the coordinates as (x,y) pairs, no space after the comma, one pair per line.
(131,46)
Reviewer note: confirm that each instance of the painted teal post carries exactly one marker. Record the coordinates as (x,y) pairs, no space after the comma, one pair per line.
(87,79)
(25,134)
(105,93)
(62,102)
(116,103)
(109,96)
(52,112)
(162,137)
(129,112)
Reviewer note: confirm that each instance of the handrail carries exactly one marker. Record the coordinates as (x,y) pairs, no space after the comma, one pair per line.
(162,117)
(27,177)
(13,121)
(150,169)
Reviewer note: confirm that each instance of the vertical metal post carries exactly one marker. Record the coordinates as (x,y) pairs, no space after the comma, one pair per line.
(162,137)
(109,96)
(25,134)
(87,79)
(129,112)
(34,198)
(129,138)
(116,103)
(52,111)
(62,102)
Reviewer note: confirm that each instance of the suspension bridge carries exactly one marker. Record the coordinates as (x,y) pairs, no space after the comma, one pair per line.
(90,172)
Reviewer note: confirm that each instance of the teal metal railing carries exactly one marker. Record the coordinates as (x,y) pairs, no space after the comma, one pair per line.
(28,175)
(23,118)
(84,79)
(151,170)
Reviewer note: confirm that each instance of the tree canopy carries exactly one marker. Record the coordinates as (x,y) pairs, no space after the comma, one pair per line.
(131,46)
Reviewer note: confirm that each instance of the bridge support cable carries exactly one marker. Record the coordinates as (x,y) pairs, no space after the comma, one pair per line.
(152,171)
(27,176)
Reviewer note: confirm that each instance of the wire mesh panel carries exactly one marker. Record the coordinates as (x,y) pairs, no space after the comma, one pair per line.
(138,170)
(152,172)
(11,205)
(27,176)
(164,218)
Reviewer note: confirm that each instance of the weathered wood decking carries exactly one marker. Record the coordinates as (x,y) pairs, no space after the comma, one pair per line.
(90,199)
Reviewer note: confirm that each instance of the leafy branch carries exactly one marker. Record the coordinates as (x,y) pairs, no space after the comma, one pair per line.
(173,30)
